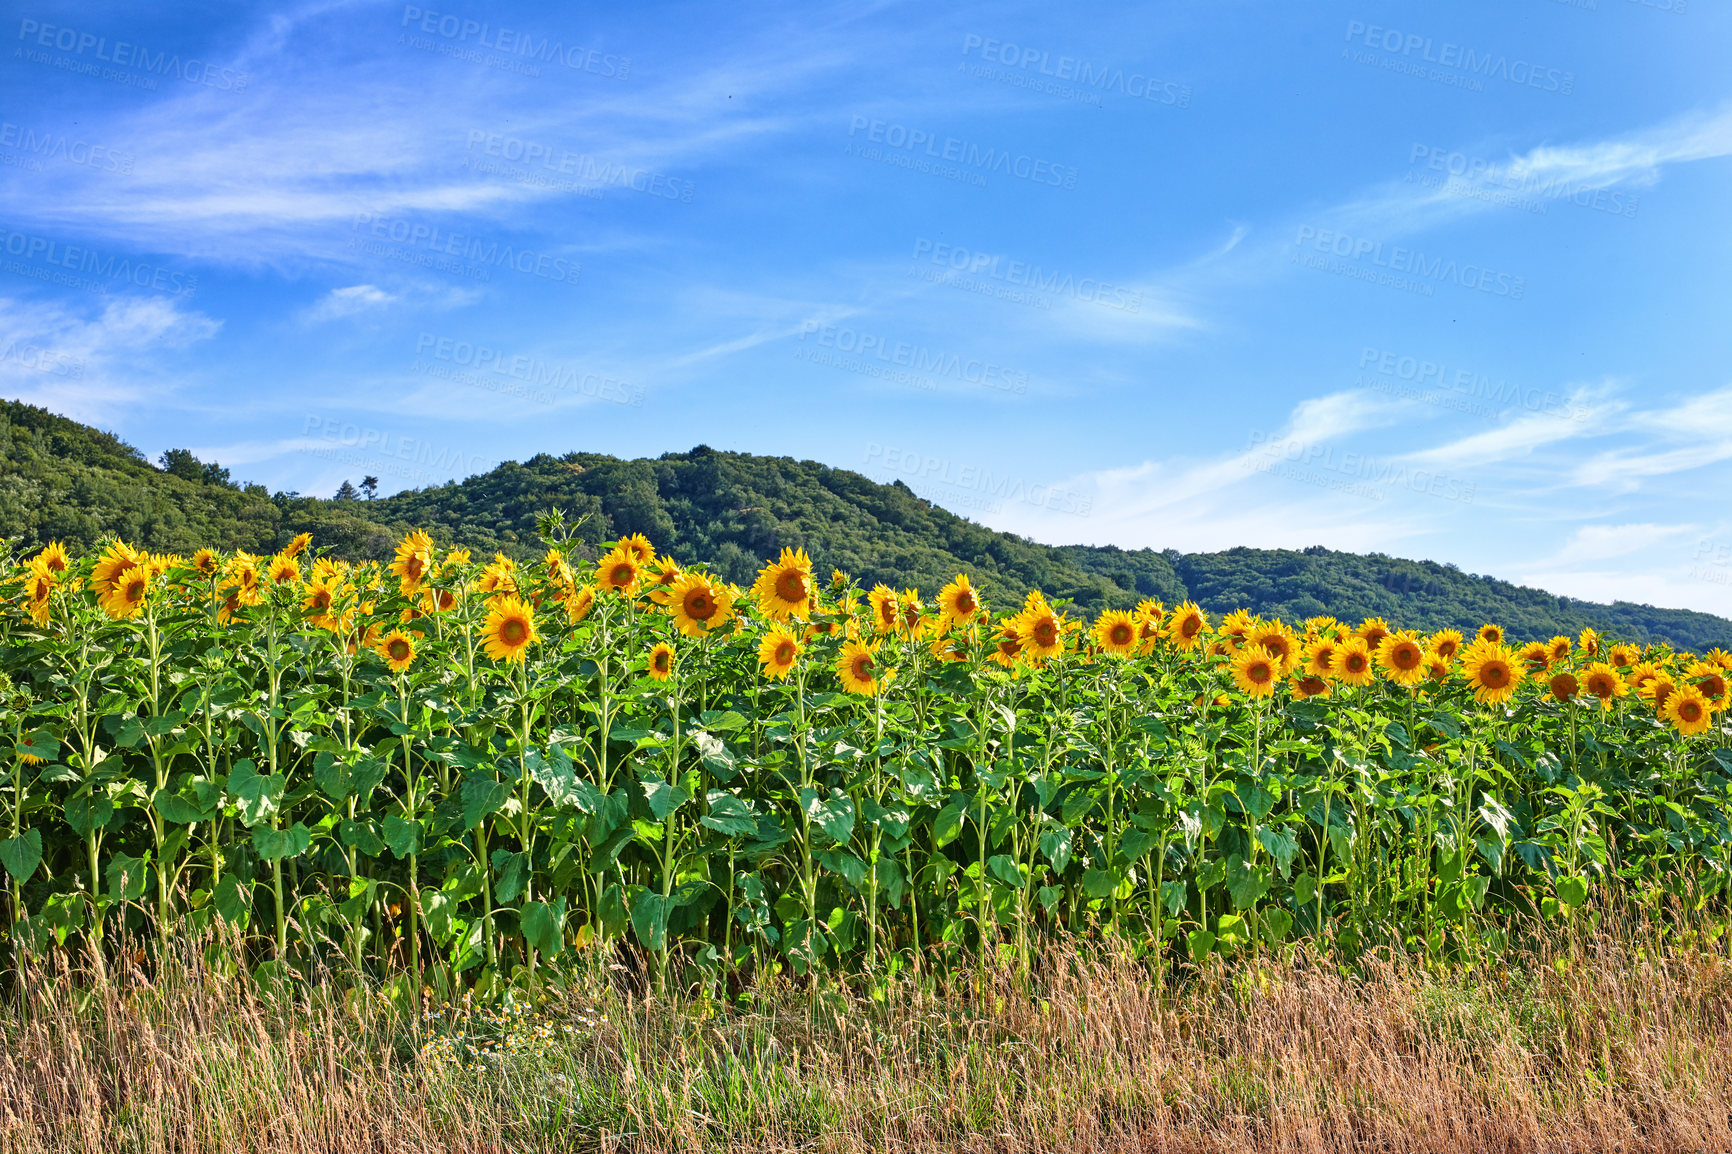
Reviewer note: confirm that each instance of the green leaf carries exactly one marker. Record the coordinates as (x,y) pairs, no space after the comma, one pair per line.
(947,825)
(543,926)
(1276,923)
(22,854)
(1201,944)
(844,863)
(175,809)
(553,772)
(1099,883)
(1005,869)
(272,844)
(482,794)
(402,836)
(361,834)
(86,814)
(662,797)
(649,918)
(725,721)
(233,899)
(257,796)
(126,876)
(835,816)
(1282,845)
(1572,891)
(513,871)
(715,755)
(332,777)
(729,815)
(1056,843)
(1246,883)
(1135,843)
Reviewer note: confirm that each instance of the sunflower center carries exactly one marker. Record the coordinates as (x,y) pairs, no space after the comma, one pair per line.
(1406,657)
(965,603)
(1260,672)
(1190,627)
(513,631)
(1121,634)
(1355,663)
(791,585)
(785,653)
(662,662)
(413,568)
(1045,633)
(1496,676)
(1690,711)
(621,574)
(863,667)
(701,606)
(399,650)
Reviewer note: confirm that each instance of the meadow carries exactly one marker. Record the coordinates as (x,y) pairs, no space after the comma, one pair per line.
(800,857)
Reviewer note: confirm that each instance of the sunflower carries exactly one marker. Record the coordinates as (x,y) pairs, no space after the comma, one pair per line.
(1353,662)
(857,668)
(1042,630)
(115,560)
(1642,676)
(914,621)
(958,604)
(638,546)
(777,653)
(1490,634)
(1602,681)
(398,650)
(1372,631)
(1589,644)
(1562,686)
(578,603)
(1688,711)
(318,604)
(619,571)
(1310,685)
(1402,658)
(205,562)
(283,569)
(1235,625)
(886,615)
(1709,681)
(414,555)
(498,576)
(1150,617)
(1188,625)
(52,558)
(1115,632)
(558,569)
(1007,649)
(1437,666)
(299,545)
(1278,641)
(784,586)
(1718,656)
(438,600)
(944,647)
(509,629)
(1255,671)
(38,588)
(1658,690)
(125,597)
(1624,656)
(661,661)
(1493,671)
(1446,643)
(1321,656)
(1537,657)
(662,573)
(699,605)
(1319,626)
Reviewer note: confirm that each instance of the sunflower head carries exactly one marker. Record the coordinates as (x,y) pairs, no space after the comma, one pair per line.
(127,593)
(857,669)
(398,650)
(1490,634)
(784,586)
(1310,685)
(661,661)
(699,605)
(1188,626)
(1115,632)
(1372,631)
(1600,680)
(1353,662)
(619,570)
(886,614)
(778,652)
(1402,658)
(414,557)
(958,602)
(509,630)
(1688,711)
(1494,672)
(1537,656)
(1007,646)
(659,577)
(115,560)
(638,546)
(1321,657)
(1589,644)
(579,602)
(1624,656)
(1562,686)
(1278,641)
(1041,628)
(1255,671)
(52,558)
(1445,642)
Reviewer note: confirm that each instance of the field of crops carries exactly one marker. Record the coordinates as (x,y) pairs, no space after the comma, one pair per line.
(453,771)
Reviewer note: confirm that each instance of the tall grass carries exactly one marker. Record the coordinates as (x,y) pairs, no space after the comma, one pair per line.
(1578,1040)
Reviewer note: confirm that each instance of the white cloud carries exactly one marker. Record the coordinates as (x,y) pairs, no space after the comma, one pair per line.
(347,302)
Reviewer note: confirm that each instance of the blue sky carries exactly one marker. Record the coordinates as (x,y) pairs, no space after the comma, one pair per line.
(1442,280)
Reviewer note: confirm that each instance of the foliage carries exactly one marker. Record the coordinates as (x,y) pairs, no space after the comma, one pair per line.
(461,770)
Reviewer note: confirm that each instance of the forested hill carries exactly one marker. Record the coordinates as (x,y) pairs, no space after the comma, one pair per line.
(63,480)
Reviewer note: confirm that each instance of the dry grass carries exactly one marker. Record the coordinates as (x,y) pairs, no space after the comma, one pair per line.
(1605,1043)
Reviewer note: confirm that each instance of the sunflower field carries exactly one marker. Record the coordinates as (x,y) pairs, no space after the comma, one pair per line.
(452,772)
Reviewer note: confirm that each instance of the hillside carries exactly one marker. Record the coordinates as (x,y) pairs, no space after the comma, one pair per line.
(60,479)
